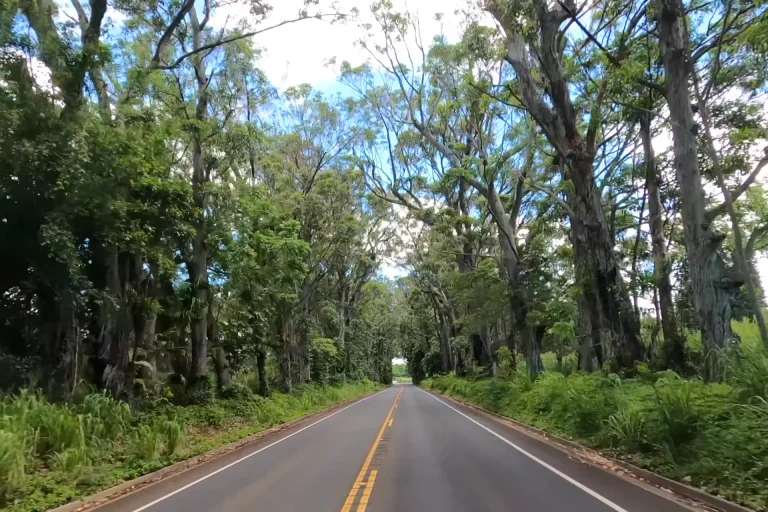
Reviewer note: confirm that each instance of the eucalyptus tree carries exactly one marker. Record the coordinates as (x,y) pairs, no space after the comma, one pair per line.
(447,95)
(682,46)
(307,170)
(533,47)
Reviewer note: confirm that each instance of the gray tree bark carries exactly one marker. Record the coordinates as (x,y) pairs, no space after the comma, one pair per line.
(674,344)
(739,254)
(606,314)
(518,302)
(220,360)
(197,263)
(709,280)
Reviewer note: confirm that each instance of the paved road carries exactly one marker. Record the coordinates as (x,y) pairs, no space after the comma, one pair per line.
(399,450)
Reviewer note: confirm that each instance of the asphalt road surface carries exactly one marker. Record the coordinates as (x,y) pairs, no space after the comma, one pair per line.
(402,449)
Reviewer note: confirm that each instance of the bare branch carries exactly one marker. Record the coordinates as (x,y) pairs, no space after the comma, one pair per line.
(175,22)
(210,46)
(554,196)
(718,210)
(81,16)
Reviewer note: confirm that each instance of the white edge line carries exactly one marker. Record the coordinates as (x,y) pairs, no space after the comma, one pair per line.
(559,473)
(238,461)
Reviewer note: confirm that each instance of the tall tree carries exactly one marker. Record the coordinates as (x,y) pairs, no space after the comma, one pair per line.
(712,282)
(606,315)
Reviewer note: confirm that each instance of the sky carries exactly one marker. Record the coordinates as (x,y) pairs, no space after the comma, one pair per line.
(298,53)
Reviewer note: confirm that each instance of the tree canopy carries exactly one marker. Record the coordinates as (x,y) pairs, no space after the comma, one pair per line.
(562,177)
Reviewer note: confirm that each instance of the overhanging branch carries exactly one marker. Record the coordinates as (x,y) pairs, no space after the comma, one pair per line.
(720,209)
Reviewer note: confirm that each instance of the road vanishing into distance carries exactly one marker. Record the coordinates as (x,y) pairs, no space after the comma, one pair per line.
(401,449)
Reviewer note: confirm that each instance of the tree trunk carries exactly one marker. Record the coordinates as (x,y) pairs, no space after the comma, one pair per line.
(107,315)
(635,251)
(285,369)
(486,358)
(179,353)
(197,265)
(198,272)
(589,343)
(674,343)
(707,269)
(532,351)
(144,323)
(285,357)
(220,361)
(343,324)
(115,324)
(445,344)
(614,326)
(608,319)
(261,368)
(63,347)
(739,253)
(146,345)
(510,263)
(304,353)
(119,379)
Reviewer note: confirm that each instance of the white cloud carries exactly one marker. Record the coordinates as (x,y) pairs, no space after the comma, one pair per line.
(297,53)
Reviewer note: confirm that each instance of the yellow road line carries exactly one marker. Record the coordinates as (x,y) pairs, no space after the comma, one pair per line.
(359,480)
(367,492)
(391,421)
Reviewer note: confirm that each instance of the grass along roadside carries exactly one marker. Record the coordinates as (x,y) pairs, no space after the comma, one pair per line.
(51,454)
(707,435)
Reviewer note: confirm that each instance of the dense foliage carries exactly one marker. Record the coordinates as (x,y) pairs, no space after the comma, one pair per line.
(568,186)
(160,228)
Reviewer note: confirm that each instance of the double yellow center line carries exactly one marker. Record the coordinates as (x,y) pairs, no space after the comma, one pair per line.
(364,471)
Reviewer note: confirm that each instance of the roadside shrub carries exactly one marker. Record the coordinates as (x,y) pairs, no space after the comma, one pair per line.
(589,403)
(570,363)
(147,444)
(747,370)
(14,450)
(70,459)
(541,397)
(522,378)
(58,428)
(171,434)
(677,413)
(495,395)
(626,429)
(208,416)
(104,416)
(504,359)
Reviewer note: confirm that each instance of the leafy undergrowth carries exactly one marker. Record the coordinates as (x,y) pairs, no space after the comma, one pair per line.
(51,453)
(713,436)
